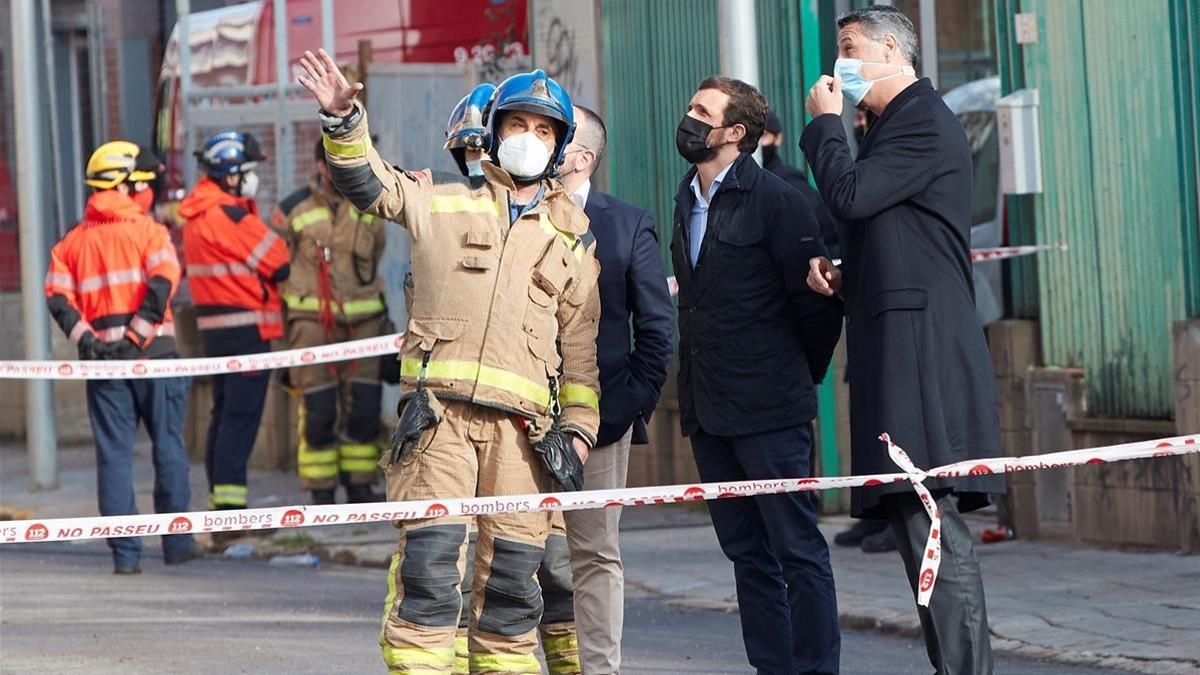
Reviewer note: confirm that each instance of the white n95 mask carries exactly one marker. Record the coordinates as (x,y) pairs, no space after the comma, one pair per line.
(524,156)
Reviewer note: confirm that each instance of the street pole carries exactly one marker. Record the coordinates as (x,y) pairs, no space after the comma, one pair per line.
(283,136)
(738,40)
(327,34)
(183,8)
(929,42)
(41,439)
(738,43)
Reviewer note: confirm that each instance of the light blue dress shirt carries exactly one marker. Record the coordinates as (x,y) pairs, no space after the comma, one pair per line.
(698,223)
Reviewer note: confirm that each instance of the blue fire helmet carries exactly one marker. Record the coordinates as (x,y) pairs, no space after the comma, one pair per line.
(229,152)
(535,92)
(467,126)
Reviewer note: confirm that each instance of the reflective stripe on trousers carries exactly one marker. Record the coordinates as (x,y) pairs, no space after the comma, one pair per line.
(228,495)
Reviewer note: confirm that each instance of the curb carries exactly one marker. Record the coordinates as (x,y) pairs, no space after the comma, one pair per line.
(911,628)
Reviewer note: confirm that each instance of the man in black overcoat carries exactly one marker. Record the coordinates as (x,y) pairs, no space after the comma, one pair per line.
(917,360)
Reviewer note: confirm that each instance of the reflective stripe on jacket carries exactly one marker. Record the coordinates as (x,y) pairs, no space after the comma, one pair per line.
(233,261)
(113,276)
(501,309)
(314,219)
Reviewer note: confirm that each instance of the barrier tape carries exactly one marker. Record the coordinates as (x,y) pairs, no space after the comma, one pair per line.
(290,358)
(104,527)
(218,365)
(1003,252)
(977,255)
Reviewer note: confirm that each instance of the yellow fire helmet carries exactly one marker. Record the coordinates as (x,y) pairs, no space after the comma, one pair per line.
(110,164)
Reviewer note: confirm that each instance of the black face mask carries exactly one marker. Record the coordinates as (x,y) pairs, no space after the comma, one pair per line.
(691,140)
(769,153)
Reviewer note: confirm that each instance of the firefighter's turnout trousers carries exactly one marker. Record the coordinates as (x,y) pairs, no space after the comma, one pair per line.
(475,450)
(504,315)
(339,409)
(560,641)
(334,295)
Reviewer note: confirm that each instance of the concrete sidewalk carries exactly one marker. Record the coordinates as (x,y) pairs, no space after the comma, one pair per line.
(1133,611)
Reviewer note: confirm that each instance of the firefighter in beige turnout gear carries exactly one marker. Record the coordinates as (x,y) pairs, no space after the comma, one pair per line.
(333,295)
(503,332)
(467,138)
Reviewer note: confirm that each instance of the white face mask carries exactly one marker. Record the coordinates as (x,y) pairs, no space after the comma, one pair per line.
(524,156)
(249,186)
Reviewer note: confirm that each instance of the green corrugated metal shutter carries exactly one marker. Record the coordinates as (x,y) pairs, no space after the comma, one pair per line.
(655,53)
(1185,20)
(1020,274)
(779,69)
(1108,303)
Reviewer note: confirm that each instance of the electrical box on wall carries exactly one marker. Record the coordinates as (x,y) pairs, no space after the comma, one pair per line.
(1020,142)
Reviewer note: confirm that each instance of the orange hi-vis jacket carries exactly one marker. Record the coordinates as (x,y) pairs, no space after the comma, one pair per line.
(234,264)
(113,275)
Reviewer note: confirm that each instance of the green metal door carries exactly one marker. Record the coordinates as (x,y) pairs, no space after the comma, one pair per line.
(1114,190)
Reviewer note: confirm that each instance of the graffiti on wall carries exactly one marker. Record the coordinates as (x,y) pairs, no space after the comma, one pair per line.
(564,45)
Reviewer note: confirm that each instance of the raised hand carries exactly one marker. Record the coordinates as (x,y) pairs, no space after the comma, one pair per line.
(325,80)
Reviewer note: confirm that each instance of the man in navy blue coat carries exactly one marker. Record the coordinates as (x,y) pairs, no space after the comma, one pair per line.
(754,341)
(633,286)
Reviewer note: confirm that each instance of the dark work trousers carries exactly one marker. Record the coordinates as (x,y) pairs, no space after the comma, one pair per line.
(238,400)
(780,559)
(114,408)
(955,624)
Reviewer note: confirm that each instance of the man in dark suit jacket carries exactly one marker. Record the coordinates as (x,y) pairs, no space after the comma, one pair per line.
(754,341)
(918,364)
(633,285)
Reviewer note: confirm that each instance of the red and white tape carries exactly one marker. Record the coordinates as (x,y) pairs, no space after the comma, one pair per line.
(152,368)
(1002,252)
(104,527)
(977,255)
(290,358)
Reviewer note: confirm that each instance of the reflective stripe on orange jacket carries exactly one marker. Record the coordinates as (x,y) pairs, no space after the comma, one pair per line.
(113,275)
(234,262)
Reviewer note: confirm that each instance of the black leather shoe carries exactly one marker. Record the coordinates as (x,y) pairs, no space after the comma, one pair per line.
(127,569)
(880,542)
(859,530)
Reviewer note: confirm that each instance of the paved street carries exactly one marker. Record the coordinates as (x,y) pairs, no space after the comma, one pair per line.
(64,612)
(1073,605)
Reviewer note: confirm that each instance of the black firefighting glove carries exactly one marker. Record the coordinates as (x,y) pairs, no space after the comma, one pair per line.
(418,413)
(122,350)
(558,454)
(90,349)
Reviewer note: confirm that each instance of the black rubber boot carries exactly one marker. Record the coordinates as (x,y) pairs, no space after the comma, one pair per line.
(324,497)
(360,494)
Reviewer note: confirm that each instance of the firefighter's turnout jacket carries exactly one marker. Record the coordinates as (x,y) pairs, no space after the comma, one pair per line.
(113,275)
(332,295)
(334,243)
(502,313)
(234,263)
